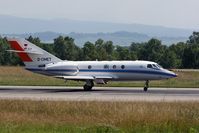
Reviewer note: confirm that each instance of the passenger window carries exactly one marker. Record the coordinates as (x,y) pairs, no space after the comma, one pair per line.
(114,66)
(122,66)
(106,66)
(149,66)
(89,67)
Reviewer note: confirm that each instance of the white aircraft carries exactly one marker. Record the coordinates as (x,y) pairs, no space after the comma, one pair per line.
(39,61)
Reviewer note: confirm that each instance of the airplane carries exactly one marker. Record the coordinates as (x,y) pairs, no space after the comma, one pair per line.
(100,72)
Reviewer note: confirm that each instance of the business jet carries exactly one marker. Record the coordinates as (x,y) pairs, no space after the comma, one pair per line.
(100,72)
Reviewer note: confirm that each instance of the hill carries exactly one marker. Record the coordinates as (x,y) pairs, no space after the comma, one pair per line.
(119,38)
(83,31)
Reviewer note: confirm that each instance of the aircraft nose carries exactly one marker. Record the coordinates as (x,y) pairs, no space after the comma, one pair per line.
(172,74)
(175,75)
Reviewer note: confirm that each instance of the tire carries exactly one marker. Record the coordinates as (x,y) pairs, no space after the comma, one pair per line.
(145,89)
(87,88)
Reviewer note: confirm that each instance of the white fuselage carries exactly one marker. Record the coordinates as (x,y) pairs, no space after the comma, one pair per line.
(100,72)
(118,70)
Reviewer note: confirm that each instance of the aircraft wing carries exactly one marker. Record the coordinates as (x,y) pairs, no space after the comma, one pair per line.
(103,77)
(75,77)
(84,77)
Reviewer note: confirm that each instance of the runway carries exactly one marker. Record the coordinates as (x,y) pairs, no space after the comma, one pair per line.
(98,93)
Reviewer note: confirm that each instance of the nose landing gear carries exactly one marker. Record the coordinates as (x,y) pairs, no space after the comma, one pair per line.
(146,86)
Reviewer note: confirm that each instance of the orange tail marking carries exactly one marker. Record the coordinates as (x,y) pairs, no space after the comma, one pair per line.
(24,56)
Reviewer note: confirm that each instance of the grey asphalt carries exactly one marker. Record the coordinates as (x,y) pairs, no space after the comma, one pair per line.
(98,93)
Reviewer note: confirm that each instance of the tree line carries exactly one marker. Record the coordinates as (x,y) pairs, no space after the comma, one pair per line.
(179,55)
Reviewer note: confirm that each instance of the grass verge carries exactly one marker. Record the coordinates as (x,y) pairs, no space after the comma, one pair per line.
(21,116)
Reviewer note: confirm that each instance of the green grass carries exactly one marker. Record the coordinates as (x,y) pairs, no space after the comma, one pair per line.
(32,128)
(22,116)
(19,76)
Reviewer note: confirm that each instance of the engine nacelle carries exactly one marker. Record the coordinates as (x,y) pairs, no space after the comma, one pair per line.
(62,68)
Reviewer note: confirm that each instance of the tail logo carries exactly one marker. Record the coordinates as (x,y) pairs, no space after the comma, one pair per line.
(24,56)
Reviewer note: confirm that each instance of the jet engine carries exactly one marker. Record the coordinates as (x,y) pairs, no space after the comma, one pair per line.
(62,68)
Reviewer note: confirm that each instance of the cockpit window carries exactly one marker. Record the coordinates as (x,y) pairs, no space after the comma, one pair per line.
(159,66)
(149,66)
(154,66)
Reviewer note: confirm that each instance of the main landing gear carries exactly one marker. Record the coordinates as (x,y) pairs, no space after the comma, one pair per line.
(88,86)
(146,85)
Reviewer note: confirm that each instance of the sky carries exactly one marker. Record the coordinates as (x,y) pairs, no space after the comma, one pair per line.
(169,13)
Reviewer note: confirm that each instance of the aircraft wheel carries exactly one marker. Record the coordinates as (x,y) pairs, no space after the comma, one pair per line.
(145,88)
(87,88)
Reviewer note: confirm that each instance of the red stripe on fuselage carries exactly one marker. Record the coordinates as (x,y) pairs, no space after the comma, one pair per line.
(24,56)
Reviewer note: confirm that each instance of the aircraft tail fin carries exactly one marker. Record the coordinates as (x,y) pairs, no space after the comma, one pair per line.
(30,54)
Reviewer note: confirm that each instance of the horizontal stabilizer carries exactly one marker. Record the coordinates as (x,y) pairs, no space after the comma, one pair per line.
(27,52)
